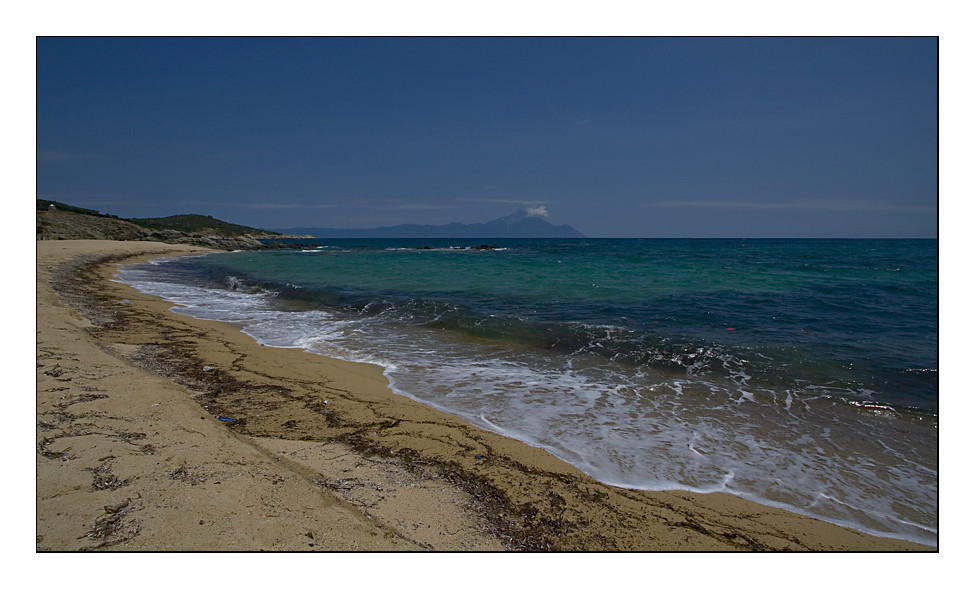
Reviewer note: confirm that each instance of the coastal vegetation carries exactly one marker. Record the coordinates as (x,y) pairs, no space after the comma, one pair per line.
(198,223)
(56,220)
(187,223)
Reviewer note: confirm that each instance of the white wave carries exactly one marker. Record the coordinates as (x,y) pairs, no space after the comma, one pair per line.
(627,427)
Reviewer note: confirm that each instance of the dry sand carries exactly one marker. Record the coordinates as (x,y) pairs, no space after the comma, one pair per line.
(321,455)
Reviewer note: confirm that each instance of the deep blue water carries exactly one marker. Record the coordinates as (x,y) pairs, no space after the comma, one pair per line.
(801,373)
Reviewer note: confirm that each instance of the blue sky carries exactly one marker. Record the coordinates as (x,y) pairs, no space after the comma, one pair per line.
(618,137)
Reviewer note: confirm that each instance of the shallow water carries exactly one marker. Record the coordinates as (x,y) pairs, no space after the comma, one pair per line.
(799,373)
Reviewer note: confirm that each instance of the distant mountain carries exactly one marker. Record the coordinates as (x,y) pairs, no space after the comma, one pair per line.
(517,225)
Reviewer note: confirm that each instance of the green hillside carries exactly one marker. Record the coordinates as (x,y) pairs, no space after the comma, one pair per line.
(46,204)
(187,223)
(196,223)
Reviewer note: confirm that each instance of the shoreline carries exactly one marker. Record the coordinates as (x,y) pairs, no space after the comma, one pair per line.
(127,455)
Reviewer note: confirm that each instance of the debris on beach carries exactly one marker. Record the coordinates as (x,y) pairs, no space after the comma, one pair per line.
(111,528)
(185,474)
(104,479)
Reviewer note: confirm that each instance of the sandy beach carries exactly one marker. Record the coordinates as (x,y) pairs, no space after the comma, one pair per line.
(156,431)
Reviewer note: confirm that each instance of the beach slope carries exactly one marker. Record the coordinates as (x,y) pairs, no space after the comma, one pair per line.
(157,431)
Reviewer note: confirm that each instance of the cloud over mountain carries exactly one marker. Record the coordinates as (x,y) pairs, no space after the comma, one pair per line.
(521,224)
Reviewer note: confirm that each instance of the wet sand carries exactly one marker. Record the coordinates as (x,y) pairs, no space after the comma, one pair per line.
(156,431)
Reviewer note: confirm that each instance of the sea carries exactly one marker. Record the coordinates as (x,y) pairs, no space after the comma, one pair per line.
(801,374)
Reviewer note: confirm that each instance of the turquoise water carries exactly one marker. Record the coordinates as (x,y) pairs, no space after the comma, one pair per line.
(799,373)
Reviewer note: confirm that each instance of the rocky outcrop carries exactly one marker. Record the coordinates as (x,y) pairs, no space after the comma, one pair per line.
(213,242)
